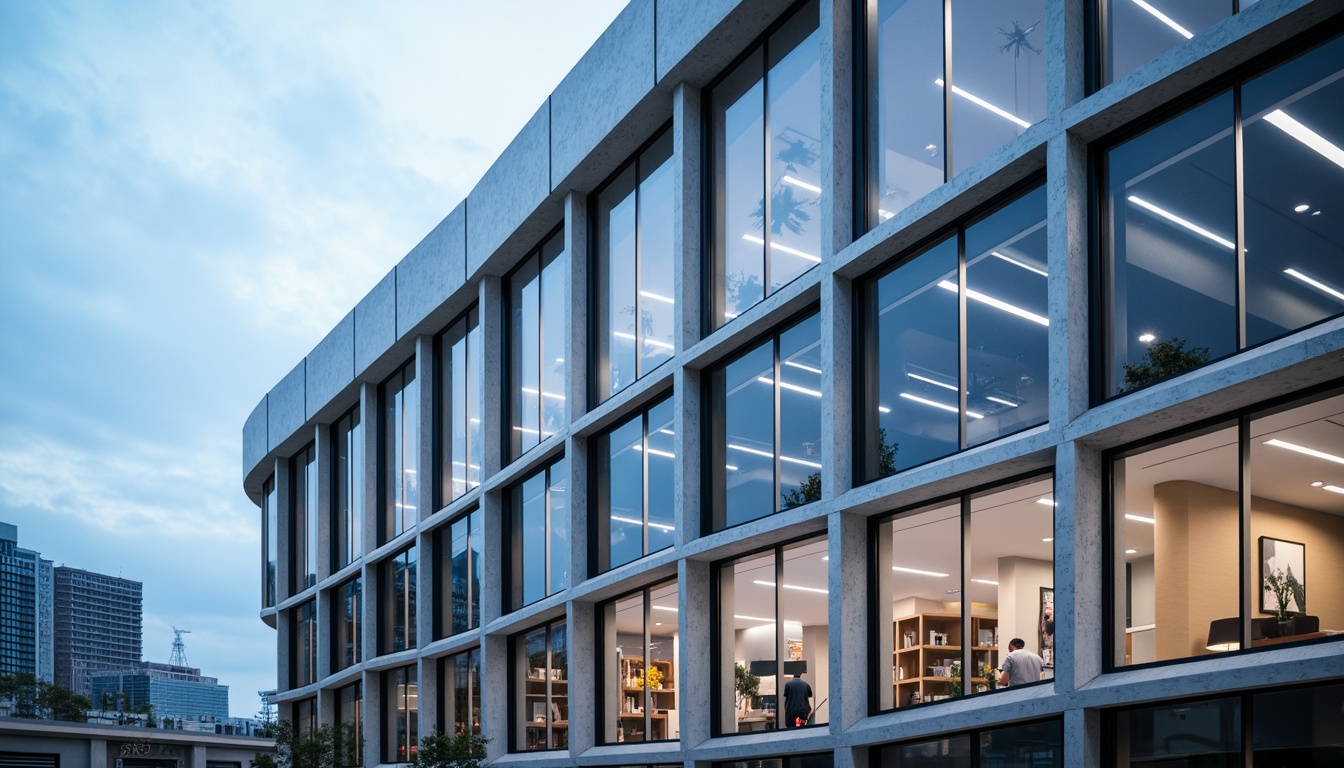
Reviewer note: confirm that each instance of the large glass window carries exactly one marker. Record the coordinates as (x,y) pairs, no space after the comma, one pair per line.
(397,602)
(918,359)
(541,688)
(538,536)
(635,486)
(765,427)
(270,542)
(460,693)
(638,641)
(347,624)
(1022,744)
(350,726)
(773,609)
(303,520)
(817,760)
(303,645)
(921,132)
(1133,32)
(950,631)
(766,159)
(1180,595)
(633,281)
(401,714)
(460,405)
(1177,293)
(305,716)
(348,490)
(458,546)
(536,346)
(400,445)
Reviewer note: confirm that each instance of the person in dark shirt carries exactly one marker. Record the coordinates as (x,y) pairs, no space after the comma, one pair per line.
(797,702)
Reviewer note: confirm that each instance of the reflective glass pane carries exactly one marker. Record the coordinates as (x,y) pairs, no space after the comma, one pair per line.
(664,717)
(748,653)
(1204,734)
(271,544)
(346,624)
(661,478)
(919,573)
(793,103)
(803,597)
(559,527)
(531,692)
(623,624)
(475,401)
(1140,30)
(952,752)
(625,492)
(998,75)
(656,300)
(749,419)
(455,382)
(1040,745)
(475,542)
(460,604)
(916,312)
(800,375)
(1293,150)
(908,136)
(1298,727)
(617,285)
(524,351)
(1007,325)
(348,476)
(739,168)
(1173,268)
(552,330)
(559,709)
(1177,535)
(532,557)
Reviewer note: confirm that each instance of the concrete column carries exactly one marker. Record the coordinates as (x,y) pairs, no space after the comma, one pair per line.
(686,402)
(581,631)
(198,755)
(427,692)
(837,388)
(837,124)
(1066,204)
(576,451)
(494,695)
(853,757)
(326,702)
(371,419)
(847,547)
(694,628)
(576,306)
(492,362)
(325,610)
(493,562)
(373,718)
(426,590)
(686,158)
(1078,561)
(426,374)
(97,753)
(1066,62)
(1082,737)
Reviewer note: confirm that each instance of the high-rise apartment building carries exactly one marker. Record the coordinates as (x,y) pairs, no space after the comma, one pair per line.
(796,358)
(181,693)
(26,604)
(98,621)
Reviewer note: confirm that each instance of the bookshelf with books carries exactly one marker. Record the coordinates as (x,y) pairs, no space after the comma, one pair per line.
(928,644)
(655,720)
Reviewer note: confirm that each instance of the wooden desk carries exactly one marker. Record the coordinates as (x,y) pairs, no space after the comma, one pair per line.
(1291,638)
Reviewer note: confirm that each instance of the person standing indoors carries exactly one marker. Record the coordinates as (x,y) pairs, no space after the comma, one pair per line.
(797,702)
(1020,666)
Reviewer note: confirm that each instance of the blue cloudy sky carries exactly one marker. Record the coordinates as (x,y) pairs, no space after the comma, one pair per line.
(191,195)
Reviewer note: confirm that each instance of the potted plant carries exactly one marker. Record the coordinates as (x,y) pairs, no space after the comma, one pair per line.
(747,685)
(1286,589)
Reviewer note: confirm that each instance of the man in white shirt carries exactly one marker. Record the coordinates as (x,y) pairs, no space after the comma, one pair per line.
(1020,666)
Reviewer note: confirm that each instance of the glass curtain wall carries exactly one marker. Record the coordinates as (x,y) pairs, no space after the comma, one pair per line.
(1025,744)
(460,405)
(765,427)
(305,716)
(633,509)
(303,520)
(347,623)
(460,693)
(401,714)
(933,385)
(400,446)
(538,534)
(303,645)
(765,146)
(773,609)
(536,347)
(633,265)
(397,602)
(921,132)
(1180,291)
(638,643)
(541,688)
(1134,32)
(818,760)
(1259,494)
(347,514)
(350,720)
(270,543)
(947,629)
(458,546)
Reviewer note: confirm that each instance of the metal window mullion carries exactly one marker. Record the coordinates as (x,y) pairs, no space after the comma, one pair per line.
(870,177)
(963,386)
(549,663)
(644,480)
(779,637)
(639,282)
(546,531)
(1245,593)
(774,375)
(947,90)
(648,665)
(1240,255)
(541,376)
(965,594)
(765,169)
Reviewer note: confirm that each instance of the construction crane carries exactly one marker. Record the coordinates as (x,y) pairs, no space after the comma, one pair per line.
(179,657)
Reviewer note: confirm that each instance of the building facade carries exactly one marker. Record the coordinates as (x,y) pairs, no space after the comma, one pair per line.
(26,606)
(796,358)
(172,691)
(97,626)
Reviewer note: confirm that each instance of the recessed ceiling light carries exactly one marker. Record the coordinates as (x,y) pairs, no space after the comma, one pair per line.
(1277,443)
(1334,489)
(1147,338)
(1317,484)
(1048,538)
(1131,551)
(1303,208)
(1047,502)
(918,572)
(1141,519)
(986,581)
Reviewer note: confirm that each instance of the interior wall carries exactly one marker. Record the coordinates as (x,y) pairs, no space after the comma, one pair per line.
(817,651)
(1141,609)
(1323,535)
(1020,582)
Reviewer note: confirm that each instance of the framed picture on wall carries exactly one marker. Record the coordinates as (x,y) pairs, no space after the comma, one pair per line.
(1046,629)
(1285,558)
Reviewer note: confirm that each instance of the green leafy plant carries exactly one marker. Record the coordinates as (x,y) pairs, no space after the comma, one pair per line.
(39,700)
(1161,360)
(329,746)
(954,689)
(806,493)
(747,685)
(450,750)
(1285,587)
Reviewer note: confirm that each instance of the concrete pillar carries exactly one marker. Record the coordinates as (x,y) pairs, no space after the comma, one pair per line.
(373,718)
(494,695)
(491,298)
(837,388)
(1078,561)
(847,547)
(687,405)
(428,696)
(1066,62)
(1066,204)
(97,753)
(576,306)
(493,563)
(1082,737)
(686,159)
(694,628)
(837,124)
(580,633)
(576,451)
(371,418)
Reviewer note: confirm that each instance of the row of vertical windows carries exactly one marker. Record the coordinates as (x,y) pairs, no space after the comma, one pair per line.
(537,536)
(537,380)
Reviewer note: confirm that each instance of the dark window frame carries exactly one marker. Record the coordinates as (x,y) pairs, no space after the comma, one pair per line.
(387,521)
(512,544)
(600,650)
(600,507)
(412,719)
(513,675)
(875,751)
(507,373)
(338,603)
(470,320)
(387,638)
(347,532)
(445,693)
(442,543)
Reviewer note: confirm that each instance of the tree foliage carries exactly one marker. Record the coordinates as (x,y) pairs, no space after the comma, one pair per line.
(329,746)
(39,700)
(447,750)
(1162,359)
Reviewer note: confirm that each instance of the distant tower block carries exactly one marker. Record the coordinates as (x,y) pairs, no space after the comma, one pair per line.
(179,657)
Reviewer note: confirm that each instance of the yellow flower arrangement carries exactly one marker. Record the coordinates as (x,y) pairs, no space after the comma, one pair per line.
(653,675)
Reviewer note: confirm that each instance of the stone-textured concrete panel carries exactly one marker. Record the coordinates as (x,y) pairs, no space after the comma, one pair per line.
(376,322)
(285,409)
(432,270)
(511,190)
(331,364)
(255,443)
(697,38)
(606,84)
